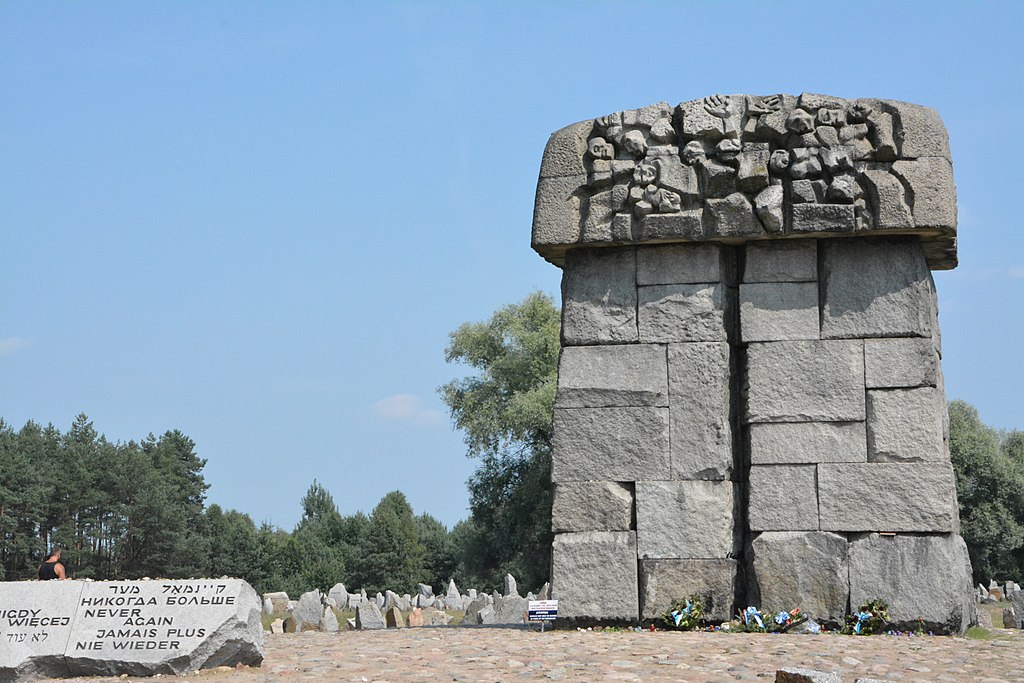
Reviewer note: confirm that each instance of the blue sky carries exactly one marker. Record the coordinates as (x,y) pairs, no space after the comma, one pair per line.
(258,222)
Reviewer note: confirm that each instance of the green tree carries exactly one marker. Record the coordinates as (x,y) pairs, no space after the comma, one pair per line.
(505,410)
(233,546)
(439,560)
(392,554)
(164,491)
(990,491)
(317,552)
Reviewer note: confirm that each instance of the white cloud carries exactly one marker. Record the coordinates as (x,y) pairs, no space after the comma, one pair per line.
(11,345)
(1016,272)
(406,408)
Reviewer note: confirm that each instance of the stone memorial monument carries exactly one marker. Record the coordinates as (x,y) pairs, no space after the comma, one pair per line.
(52,629)
(750,402)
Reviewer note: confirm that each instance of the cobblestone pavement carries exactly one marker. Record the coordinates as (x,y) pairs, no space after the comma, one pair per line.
(508,654)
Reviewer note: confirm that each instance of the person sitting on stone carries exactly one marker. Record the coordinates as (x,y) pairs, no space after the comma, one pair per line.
(51,568)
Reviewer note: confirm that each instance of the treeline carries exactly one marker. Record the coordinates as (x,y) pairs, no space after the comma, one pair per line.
(136,509)
(120,510)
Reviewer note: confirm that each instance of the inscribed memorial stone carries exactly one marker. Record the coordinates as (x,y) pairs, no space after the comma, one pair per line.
(140,628)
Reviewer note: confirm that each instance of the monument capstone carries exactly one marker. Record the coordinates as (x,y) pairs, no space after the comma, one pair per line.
(53,629)
(750,402)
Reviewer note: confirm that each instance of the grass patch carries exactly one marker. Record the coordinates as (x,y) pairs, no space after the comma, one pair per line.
(979,633)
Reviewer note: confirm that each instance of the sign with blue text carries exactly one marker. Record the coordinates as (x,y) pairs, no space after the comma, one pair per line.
(543,610)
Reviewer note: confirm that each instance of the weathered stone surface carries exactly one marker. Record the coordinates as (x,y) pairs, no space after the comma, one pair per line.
(900,362)
(931,182)
(781,261)
(472,610)
(887,194)
(615,444)
(782,498)
(329,621)
(563,155)
(599,297)
(809,569)
(905,425)
(511,588)
(594,559)
(807,442)
(511,609)
(731,216)
(776,311)
(74,628)
(308,611)
(339,594)
(769,205)
(612,375)
(698,121)
(686,519)
(752,175)
(592,506)
(1017,598)
(797,675)
(677,264)
(685,225)
(556,211)
(823,218)
(275,604)
(875,288)
(921,132)
(684,313)
(56,602)
(921,577)
(805,381)
(662,581)
(416,618)
(452,594)
(701,431)
(369,617)
(887,497)
(393,618)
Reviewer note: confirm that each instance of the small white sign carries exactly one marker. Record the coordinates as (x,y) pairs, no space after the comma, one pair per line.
(543,610)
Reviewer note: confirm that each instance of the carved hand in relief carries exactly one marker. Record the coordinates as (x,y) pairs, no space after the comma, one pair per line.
(718,106)
(763,105)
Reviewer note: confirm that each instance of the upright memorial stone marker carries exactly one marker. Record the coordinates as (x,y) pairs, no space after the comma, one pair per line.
(140,628)
(750,364)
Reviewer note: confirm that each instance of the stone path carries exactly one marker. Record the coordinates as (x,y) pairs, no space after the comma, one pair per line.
(476,655)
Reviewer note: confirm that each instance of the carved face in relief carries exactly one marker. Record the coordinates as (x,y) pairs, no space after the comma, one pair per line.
(693,152)
(600,149)
(779,162)
(645,174)
(800,122)
(634,143)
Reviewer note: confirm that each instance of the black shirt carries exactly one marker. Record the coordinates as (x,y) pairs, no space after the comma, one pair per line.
(47,572)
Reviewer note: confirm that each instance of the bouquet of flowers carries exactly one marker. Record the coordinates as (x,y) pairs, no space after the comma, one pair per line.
(684,614)
(754,620)
(870,618)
